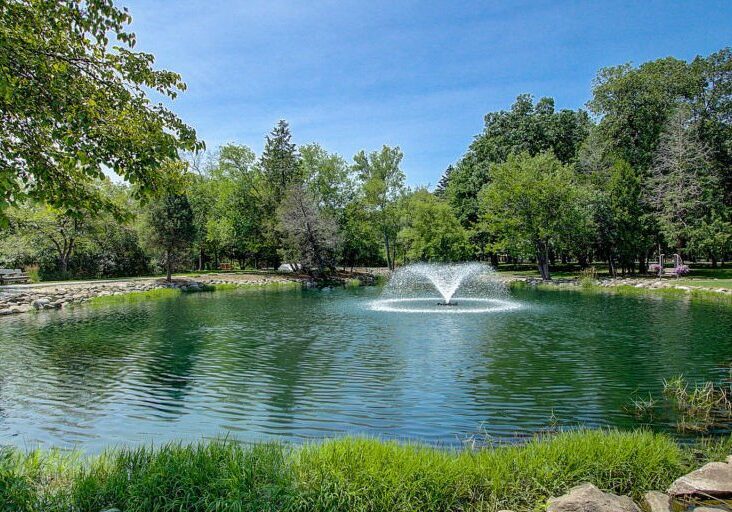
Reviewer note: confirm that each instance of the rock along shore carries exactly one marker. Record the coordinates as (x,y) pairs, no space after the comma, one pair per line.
(706,489)
(28,298)
(634,282)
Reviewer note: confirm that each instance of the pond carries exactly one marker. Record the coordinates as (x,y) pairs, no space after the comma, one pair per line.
(309,364)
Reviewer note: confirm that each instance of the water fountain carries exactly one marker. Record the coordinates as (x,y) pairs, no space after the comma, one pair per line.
(411,290)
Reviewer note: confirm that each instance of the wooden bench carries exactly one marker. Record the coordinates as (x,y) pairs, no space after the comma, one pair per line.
(13,276)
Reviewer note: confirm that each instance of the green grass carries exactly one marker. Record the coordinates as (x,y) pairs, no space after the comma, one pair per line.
(700,276)
(354,475)
(133,297)
(707,283)
(167,293)
(632,291)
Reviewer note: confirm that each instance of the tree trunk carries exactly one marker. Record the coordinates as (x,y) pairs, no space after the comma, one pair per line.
(388,252)
(494,260)
(168,265)
(542,261)
(611,264)
(714,261)
(583,261)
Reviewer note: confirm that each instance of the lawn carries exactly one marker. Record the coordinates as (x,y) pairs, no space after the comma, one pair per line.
(699,276)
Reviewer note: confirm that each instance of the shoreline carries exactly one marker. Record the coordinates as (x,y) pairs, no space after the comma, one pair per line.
(28,298)
(369,474)
(624,286)
(19,299)
(37,297)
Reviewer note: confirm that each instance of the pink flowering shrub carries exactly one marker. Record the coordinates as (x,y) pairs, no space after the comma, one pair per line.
(654,268)
(681,270)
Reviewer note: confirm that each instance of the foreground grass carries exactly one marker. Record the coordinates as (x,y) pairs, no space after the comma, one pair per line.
(354,475)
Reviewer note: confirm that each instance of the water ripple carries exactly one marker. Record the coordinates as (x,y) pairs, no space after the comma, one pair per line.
(304,365)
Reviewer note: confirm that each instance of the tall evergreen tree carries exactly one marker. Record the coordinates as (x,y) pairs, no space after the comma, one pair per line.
(444,181)
(280,160)
(680,180)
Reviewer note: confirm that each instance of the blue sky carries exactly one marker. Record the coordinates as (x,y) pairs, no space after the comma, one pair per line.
(421,75)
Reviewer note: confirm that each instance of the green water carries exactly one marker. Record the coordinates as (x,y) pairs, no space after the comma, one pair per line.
(310,364)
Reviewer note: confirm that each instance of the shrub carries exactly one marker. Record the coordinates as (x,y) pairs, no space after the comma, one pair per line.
(681,270)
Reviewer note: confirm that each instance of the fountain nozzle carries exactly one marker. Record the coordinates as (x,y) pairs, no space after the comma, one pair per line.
(447,303)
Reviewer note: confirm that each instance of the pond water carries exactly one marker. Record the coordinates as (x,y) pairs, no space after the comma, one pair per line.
(300,365)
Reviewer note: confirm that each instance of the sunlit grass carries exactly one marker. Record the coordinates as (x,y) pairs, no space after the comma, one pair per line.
(354,475)
(632,291)
(168,293)
(133,297)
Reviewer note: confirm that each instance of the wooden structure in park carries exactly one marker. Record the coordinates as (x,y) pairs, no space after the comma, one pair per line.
(13,276)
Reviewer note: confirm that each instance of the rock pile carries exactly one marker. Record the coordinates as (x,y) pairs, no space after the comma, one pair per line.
(17,300)
(703,490)
(31,299)
(648,284)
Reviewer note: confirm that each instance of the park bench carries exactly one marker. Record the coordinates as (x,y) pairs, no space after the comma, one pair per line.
(13,276)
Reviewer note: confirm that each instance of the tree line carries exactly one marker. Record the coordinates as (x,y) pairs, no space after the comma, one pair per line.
(645,170)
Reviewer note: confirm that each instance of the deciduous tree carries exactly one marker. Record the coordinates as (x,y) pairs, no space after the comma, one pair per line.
(172,231)
(382,182)
(533,204)
(74,102)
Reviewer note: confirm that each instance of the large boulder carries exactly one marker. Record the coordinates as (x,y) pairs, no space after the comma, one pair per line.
(588,498)
(713,479)
(41,303)
(657,501)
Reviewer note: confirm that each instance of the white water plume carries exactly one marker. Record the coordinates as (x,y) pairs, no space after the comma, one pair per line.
(448,288)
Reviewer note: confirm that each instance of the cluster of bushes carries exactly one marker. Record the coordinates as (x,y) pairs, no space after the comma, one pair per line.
(344,475)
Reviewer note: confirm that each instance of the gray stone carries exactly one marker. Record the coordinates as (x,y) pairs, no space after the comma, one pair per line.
(588,498)
(657,502)
(713,479)
(40,303)
(4,312)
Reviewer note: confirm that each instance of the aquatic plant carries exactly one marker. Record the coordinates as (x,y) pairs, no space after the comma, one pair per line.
(643,407)
(700,406)
(588,277)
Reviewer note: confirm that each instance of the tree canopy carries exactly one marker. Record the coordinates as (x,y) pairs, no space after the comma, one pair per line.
(74,104)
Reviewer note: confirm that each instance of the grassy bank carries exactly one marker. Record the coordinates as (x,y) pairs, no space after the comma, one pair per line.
(167,293)
(344,475)
(699,276)
(626,290)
